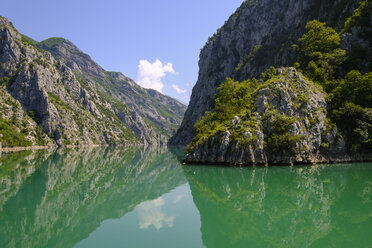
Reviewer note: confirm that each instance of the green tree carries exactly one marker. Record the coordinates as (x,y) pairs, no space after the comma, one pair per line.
(232,97)
(356,123)
(319,52)
(355,88)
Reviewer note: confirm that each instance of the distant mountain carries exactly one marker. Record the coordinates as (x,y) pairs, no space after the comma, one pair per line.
(53,93)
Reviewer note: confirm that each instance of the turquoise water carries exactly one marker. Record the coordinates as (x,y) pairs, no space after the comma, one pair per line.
(116,197)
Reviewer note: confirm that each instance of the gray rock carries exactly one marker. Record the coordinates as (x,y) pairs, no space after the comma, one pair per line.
(317,142)
(258,35)
(60,89)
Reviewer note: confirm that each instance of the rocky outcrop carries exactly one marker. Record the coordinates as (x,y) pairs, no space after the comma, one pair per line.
(288,126)
(52,93)
(74,58)
(258,35)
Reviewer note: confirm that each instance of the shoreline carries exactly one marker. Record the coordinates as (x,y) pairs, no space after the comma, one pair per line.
(288,161)
(365,159)
(26,148)
(55,147)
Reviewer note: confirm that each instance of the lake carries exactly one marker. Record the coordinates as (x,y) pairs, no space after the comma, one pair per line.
(144,197)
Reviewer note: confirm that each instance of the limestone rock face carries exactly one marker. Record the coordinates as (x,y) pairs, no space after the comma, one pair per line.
(51,92)
(289,126)
(152,116)
(78,61)
(258,35)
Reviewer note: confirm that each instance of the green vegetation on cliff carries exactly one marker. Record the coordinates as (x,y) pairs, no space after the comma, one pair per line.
(233,99)
(237,112)
(360,16)
(322,61)
(10,137)
(319,53)
(349,92)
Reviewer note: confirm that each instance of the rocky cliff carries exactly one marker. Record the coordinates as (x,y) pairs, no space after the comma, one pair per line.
(258,35)
(53,93)
(285,123)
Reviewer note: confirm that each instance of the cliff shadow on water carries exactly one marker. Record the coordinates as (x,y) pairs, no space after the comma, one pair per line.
(56,199)
(312,206)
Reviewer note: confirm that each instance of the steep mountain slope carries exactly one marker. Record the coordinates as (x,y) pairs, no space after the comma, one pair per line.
(70,100)
(151,113)
(319,110)
(258,35)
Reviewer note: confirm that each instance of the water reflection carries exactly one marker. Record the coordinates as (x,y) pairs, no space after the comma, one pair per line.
(150,213)
(283,207)
(56,199)
(143,198)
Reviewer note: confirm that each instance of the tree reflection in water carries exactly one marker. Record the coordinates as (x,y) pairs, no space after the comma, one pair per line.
(283,206)
(56,199)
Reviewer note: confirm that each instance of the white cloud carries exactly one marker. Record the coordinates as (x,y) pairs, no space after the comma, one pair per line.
(176,88)
(151,213)
(179,198)
(149,74)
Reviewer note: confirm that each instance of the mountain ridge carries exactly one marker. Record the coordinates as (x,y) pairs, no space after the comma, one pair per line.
(54,94)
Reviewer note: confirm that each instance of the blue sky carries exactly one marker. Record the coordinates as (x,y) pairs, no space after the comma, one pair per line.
(156,43)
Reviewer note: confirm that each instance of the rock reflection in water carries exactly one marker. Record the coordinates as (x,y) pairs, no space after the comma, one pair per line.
(141,198)
(56,199)
(283,206)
